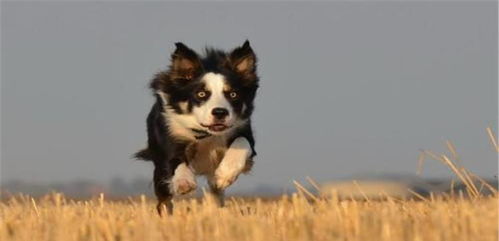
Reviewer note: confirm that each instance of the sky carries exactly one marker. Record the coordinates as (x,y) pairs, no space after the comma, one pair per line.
(347,88)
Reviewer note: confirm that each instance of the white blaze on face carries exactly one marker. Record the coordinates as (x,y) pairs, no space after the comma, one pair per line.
(215,84)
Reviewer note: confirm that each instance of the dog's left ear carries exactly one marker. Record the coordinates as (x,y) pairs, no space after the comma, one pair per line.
(243,61)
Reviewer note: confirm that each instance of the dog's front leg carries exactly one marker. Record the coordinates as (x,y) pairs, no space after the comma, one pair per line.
(183,180)
(172,178)
(233,163)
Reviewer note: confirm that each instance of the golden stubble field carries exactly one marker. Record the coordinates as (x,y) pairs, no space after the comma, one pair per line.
(471,215)
(288,218)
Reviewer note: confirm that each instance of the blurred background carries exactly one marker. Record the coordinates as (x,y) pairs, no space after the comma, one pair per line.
(349,89)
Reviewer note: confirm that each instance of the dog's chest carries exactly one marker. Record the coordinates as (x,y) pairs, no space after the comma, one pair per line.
(205,155)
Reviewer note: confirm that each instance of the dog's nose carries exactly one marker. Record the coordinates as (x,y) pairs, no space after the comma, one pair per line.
(220,113)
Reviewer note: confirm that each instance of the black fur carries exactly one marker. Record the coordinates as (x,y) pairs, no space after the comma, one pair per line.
(180,82)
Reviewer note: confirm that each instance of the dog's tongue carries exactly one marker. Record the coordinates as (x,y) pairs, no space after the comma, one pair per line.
(218,127)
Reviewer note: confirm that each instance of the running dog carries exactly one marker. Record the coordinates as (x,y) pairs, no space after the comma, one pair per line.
(200,123)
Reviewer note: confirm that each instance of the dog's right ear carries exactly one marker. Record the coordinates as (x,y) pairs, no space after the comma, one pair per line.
(185,63)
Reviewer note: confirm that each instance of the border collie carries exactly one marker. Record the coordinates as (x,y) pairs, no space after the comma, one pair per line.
(200,123)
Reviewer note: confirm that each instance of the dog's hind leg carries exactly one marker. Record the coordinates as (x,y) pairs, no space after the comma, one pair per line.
(164,203)
(161,176)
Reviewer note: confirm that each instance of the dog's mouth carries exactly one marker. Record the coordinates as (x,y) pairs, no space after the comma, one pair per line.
(216,127)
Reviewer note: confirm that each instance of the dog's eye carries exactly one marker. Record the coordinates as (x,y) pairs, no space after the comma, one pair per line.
(201,94)
(233,95)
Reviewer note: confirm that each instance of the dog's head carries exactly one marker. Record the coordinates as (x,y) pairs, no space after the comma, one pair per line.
(213,93)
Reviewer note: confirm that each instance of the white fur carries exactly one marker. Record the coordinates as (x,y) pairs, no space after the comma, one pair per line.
(183,176)
(179,124)
(233,162)
(216,84)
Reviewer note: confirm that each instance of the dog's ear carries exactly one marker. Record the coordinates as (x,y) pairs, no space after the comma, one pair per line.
(243,61)
(185,63)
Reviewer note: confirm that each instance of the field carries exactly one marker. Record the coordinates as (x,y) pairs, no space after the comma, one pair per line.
(294,217)
(471,215)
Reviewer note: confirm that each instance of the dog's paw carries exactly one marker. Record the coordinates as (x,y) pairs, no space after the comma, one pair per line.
(225,176)
(183,181)
(222,182)
(183,186)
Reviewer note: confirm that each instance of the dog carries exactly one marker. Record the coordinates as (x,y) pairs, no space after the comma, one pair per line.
(200,123)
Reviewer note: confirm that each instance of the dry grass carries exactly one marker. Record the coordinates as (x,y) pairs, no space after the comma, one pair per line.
(301,216)
(289,218)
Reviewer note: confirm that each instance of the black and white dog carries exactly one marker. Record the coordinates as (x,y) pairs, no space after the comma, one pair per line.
(200,123)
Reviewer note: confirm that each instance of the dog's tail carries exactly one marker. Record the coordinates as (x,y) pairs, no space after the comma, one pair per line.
(144,154)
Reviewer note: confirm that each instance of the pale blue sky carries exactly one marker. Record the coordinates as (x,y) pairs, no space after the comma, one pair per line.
(346,87)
